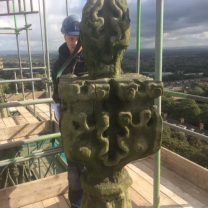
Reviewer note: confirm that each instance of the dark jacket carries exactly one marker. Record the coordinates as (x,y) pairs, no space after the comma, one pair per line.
(76,67)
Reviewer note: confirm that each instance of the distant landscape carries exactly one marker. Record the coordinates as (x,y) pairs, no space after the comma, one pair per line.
(187,60)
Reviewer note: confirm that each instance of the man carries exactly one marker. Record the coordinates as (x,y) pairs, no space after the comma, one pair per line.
(70,61)
(71,32)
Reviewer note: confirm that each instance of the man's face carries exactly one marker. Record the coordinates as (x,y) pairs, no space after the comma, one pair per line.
(71,42)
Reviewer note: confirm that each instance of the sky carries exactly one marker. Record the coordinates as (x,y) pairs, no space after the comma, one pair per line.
(185,24)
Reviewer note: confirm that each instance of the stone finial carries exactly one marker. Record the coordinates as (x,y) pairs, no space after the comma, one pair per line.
(108,119)
(105,35)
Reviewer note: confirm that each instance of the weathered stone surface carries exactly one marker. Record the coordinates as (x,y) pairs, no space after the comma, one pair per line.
(105,35)
(108,119)
(105,124)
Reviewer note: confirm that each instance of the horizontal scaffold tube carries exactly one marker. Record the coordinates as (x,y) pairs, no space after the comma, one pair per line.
(23,68)
(184,95)
(32,156)
(21,80)
(187,131)
(29,141)
(26,102)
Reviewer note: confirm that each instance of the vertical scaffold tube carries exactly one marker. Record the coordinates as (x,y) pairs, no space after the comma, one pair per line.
(16,86)
(29,52)
(18,49)
(8,9)
(138,34)
(42,45)
(158,77)
(47,54)
(19,5)
(31,5)
(67,8)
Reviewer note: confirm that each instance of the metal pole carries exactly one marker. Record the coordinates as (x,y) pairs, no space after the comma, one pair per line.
(26,102)
(23,68)
(16,86)
(47,54)
(184,95)
(186,131)
(18,51)
(138,35)
(7,33)
(31,5)
(20,64)
(30,141)
(17,13)
(158,77)
(19,4)
(42,44)
(20,80)
(29,53)
(8,9)
(67,8)
(32,156)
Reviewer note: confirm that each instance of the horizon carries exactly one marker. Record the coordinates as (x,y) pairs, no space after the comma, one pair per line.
(13,52)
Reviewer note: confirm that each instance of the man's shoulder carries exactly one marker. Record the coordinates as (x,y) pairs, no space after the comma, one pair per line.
(62,57)
(64,51)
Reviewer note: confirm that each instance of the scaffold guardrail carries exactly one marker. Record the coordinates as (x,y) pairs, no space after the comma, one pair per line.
(21,8)
(33,157)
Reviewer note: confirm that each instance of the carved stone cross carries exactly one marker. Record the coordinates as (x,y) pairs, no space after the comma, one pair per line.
(108,118)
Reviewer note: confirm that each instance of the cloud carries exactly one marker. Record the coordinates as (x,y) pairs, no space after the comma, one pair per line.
(181,19)
(185,23)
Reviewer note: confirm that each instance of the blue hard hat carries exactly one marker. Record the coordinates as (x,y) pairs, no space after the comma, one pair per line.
(71,26)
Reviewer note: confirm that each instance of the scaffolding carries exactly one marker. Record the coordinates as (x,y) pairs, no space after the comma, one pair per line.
(24,8)
(17,8)
(39,158)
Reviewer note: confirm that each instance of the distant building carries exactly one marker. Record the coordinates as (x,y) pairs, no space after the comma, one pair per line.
(182,120)
(201,126)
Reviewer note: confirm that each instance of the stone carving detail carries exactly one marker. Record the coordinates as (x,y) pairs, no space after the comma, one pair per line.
(105,35)
(107,123)
(108,119)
